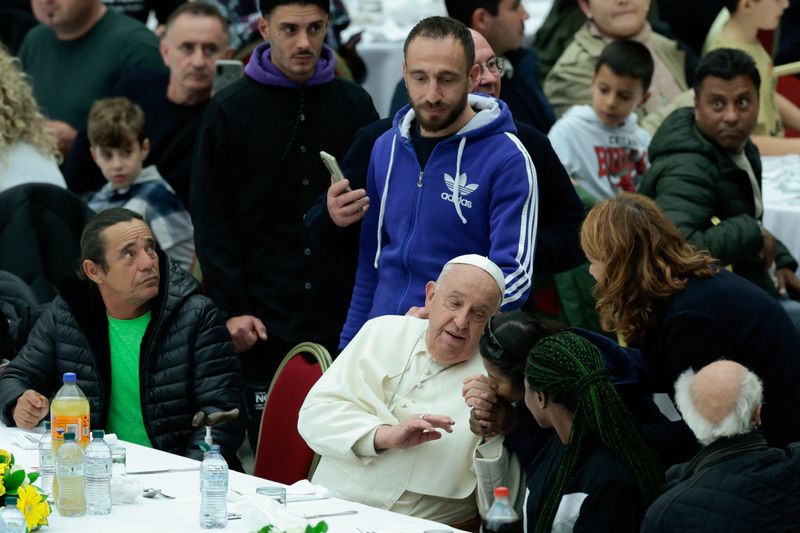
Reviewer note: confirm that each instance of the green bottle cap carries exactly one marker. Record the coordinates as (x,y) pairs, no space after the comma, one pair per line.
(11,501)
(69,435)
(47,425)
(98,433)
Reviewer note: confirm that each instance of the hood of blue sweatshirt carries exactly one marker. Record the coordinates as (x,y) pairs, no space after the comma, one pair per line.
(261,69)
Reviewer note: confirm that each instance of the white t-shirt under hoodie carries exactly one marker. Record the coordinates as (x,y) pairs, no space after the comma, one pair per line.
(602,160)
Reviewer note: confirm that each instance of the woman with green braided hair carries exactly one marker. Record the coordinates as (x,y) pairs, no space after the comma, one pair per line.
(596,473)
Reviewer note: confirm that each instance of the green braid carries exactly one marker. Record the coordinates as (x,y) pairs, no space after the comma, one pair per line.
(572,372)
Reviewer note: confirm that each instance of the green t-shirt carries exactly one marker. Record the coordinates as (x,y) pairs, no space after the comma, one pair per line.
(125,409)
(68,76)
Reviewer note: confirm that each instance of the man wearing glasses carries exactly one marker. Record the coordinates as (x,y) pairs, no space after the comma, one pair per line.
(502,23)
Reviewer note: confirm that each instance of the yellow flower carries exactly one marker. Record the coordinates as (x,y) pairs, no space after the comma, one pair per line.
(33,506)
(5,458)
(2,485)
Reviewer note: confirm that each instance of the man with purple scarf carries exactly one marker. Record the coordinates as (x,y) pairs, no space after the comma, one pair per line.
(256,171)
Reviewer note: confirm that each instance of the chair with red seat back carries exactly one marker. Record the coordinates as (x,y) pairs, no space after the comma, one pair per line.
(282,455)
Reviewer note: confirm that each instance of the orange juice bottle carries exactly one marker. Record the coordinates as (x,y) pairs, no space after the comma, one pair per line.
(69,413)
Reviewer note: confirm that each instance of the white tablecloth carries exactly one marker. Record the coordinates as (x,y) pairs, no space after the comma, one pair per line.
(781,194)
(182,513)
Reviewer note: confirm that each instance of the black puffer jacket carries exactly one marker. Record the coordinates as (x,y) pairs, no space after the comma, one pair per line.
(187,362)
(734,485)
(19,310)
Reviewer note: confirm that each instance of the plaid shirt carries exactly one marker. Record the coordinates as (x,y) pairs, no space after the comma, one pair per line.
(153,198)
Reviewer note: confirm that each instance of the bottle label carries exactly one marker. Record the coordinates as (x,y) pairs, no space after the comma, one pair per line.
(65,424)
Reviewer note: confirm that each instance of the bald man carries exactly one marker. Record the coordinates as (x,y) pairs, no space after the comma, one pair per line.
(735,483)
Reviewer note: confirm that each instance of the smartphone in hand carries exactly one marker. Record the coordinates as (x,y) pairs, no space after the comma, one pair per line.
(226,71)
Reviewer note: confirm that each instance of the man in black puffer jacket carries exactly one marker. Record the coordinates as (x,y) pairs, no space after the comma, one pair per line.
(149,351)
(735,483)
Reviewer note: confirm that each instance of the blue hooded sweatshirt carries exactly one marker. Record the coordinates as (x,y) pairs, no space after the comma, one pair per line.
(476,194)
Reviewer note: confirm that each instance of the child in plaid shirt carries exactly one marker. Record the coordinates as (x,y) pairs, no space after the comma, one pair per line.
(118,147)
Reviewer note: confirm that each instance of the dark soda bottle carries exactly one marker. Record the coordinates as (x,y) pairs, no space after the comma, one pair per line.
(501,517)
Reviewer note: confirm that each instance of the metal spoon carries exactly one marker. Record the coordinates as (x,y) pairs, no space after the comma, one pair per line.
(152,493)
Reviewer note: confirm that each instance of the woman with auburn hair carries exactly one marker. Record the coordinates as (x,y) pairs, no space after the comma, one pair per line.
(683,310)
(27,150)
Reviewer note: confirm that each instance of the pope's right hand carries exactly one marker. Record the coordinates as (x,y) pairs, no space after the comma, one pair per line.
(31,408)
(412,432)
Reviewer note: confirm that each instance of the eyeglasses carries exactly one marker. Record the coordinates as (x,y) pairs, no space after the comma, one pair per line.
(494,65)
(494,350)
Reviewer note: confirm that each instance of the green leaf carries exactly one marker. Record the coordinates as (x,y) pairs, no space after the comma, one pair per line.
(321,527)
(267,529)
(14,480)
(32,477)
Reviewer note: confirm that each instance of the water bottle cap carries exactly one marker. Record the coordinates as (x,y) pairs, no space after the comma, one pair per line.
(501,492)
(11,501)
(69,435)
(69,377)
(215,448)
(47,425)
(98,433)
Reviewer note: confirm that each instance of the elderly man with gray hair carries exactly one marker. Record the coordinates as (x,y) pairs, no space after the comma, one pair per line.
(735,483)
(388,418)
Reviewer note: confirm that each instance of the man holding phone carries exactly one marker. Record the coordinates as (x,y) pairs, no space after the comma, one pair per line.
(256,171)
(560,210)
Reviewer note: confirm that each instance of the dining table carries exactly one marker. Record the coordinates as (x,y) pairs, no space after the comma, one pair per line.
(179,478)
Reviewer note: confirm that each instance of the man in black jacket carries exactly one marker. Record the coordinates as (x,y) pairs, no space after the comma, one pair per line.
(173,99)
(735,483)
(149,351)
(256,171)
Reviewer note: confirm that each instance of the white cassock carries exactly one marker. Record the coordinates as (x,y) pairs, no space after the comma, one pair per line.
(384,376)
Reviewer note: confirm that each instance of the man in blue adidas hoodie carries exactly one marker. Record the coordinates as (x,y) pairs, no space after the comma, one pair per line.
(452,178)
(256,171)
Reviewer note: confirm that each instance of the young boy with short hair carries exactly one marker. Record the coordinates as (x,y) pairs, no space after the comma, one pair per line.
(747,17)
(119,148)
(602,147)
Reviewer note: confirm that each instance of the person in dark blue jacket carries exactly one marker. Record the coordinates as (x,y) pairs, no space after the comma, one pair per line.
(451,177)
(560,210)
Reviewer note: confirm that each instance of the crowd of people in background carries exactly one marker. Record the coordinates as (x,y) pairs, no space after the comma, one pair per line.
(195,236)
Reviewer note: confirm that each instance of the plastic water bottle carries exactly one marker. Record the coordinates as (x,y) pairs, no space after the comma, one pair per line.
(71,477)
(98,474)
(69,412)
(47,463)
(213,490)
(13,517)
(501,517)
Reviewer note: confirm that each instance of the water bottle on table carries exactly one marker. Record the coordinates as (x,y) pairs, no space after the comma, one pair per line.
(98,475)
(71,477)
(47,463)
(12,517)
(213,490)
(501,517)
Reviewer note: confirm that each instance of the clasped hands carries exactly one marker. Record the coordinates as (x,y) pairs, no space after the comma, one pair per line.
(490,414)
